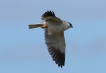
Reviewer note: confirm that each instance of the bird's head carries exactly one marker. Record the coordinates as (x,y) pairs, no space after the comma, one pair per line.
(67,25)
(70,24)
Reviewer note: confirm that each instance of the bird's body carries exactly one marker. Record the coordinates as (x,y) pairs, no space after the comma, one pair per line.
(56,27)
(54,36)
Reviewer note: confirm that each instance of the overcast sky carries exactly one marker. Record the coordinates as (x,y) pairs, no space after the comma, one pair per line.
(23,50)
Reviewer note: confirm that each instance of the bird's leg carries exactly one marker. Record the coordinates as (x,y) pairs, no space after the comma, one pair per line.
(44,26)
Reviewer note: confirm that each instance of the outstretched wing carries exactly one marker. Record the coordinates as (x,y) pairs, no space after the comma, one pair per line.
(50,16)
(56,47)
(48,13)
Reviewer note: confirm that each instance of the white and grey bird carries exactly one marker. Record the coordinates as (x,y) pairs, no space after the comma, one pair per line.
(54,35)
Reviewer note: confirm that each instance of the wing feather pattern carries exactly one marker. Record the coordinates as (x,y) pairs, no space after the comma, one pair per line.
(51,17)
(56,47)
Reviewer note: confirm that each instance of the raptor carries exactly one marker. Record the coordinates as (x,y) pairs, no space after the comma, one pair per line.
(54,28)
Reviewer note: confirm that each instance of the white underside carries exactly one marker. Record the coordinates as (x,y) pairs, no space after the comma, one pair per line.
(56,28)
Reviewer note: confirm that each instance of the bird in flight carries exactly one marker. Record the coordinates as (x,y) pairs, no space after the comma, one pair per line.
(54,28)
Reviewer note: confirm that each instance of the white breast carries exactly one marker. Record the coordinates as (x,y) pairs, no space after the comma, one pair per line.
(55,28)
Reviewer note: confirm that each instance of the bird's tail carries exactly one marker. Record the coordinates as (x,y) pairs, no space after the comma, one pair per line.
(34,25)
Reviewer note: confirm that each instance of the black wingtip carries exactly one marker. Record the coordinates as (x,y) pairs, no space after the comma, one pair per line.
(57,56)
(49,13)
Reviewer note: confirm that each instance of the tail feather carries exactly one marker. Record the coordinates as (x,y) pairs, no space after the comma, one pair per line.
(34,25)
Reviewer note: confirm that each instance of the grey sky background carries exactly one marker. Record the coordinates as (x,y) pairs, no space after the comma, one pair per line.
(24,51)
